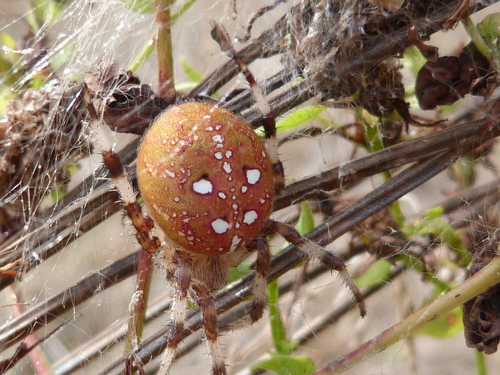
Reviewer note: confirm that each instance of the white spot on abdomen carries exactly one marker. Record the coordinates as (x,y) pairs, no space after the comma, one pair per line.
(218,138)
(227,167)
(253,176)
(202,186)
(250,217)
(234,243)
(220,226)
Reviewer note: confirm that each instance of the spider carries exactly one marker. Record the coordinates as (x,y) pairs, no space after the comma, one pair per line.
(208,182)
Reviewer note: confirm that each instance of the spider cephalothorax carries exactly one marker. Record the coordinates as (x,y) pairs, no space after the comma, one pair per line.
(209,181)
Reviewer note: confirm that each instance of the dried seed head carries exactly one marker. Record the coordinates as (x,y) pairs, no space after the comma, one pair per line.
(206,178)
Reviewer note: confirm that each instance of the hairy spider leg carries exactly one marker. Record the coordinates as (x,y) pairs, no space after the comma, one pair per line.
(184,285)
(181,282)
(315,251)
(142,223)
(260,282)
(220,35)
(205,300)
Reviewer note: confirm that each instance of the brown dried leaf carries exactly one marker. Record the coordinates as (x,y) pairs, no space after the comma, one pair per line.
(127,105)
(449,78)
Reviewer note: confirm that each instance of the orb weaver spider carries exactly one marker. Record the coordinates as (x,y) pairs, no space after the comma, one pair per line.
(209,181)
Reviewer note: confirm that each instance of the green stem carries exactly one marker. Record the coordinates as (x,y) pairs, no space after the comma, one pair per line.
(375,143)
(278,332)
(147,51)
(478,41)
(480,364)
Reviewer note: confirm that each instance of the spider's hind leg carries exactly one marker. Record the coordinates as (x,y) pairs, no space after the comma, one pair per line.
(260,282)
(315,251)
(205,301)
(184,285)
(182,282)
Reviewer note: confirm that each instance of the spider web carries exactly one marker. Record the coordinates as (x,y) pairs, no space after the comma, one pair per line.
(85,231)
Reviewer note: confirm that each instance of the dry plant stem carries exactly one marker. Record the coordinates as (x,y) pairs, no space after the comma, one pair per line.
(39,361)
(164,47)
(46,311)
(341,310)
(264,45)
(487,277)
(236,292)
(26,348)
(100,202)
(461,136)
(94,348)
(99,344)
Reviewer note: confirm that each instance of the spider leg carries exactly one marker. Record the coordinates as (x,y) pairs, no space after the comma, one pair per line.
(260,281)
(262,264)
(141,222)
(220,35)
(205,301)
(315,251)
(10,269)
(256,16)
(182,282)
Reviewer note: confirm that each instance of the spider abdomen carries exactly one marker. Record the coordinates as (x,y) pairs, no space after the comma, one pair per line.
(206,178)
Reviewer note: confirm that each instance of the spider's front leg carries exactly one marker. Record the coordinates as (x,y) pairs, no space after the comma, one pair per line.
(220,35)
(142,223)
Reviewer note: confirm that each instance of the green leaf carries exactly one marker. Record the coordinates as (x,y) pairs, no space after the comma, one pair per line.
(7,40)
(299,117)
(139,6)
(286,365)
(434,213)
(413,60)
(236,272)
(434,223)
(193,74)
(445,326)
(306,219)
(62,56)
(5,96)
(376,274)
(489,28)
(57,194)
